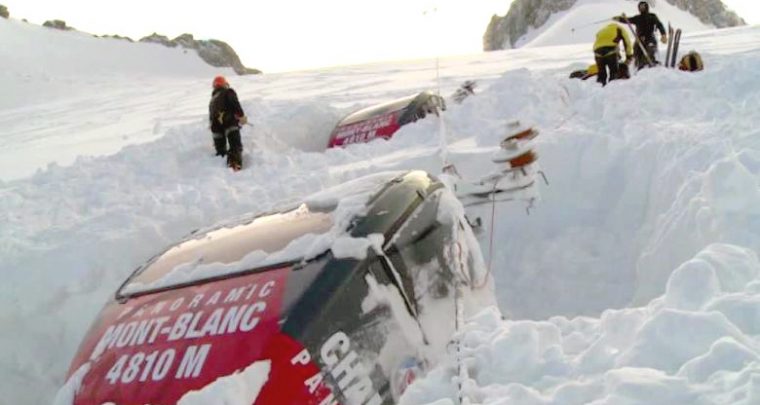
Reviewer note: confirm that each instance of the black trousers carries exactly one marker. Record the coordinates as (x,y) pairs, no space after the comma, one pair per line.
(235,152)
(651,47)
(607,59)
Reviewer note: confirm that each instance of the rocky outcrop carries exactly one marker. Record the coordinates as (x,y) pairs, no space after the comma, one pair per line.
(219,53)
(119,37)
(710,12)
(503,32)
(58,25)
(523,15)
(159,39)
(214,52)
(4,12)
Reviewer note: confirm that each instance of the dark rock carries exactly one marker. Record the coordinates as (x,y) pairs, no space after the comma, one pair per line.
(503,32)
(119,37)
(186,41)
(214,52)
(155,38)
(58,25)
(710,12)
(220,54)
(4,11)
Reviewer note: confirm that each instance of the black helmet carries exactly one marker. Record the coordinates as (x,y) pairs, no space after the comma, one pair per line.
(643,7)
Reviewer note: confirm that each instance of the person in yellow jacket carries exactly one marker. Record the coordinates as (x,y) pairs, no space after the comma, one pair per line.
(607,54)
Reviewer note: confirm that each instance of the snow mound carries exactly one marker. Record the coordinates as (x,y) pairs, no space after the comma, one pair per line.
(652,354)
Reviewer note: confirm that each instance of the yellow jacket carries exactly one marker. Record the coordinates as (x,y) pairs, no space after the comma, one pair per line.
(610,36)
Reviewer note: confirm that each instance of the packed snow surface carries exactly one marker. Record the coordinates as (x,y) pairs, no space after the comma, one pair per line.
(633,281)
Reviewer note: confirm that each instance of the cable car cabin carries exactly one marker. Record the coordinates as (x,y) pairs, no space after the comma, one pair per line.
(345,297)
(383,120)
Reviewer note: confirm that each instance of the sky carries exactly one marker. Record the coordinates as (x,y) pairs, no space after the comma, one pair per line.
(287,35)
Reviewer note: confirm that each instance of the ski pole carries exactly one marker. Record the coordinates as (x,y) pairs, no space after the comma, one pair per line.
(670,45)
(641,46)
(589,24)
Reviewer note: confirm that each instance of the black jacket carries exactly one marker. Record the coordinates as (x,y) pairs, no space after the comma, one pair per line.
(224,110)
(645,25)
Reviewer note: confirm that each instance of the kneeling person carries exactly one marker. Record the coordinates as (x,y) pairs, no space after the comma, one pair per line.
(606,52)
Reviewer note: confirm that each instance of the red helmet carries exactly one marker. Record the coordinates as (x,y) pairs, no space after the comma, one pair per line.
(219,82)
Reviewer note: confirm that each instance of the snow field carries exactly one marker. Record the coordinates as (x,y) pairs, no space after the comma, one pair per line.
(634,280)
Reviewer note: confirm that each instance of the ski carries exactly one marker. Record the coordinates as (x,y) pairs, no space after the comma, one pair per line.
(670,45)
(676,42)
(499,195)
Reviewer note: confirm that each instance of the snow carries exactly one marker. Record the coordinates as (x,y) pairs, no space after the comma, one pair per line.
(240,388)
(633,355)
(633,281)
(579,25)
(343,203)
(356,248)
(56,83)
(68,391)
(384,295)
(650,354)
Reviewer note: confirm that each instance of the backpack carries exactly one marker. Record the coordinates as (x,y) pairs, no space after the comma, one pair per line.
(691,62)
(218,113)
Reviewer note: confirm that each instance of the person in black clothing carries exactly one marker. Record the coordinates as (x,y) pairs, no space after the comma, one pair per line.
(226,116)
(645,23)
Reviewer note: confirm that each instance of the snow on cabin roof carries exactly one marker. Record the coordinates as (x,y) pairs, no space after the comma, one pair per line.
(283,237)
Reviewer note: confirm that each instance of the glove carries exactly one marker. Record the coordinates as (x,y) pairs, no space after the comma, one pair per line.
(242,120)
(617,18)
(628,59)
(664,38)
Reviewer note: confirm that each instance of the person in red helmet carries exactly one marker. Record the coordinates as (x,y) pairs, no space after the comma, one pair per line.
(226,116)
